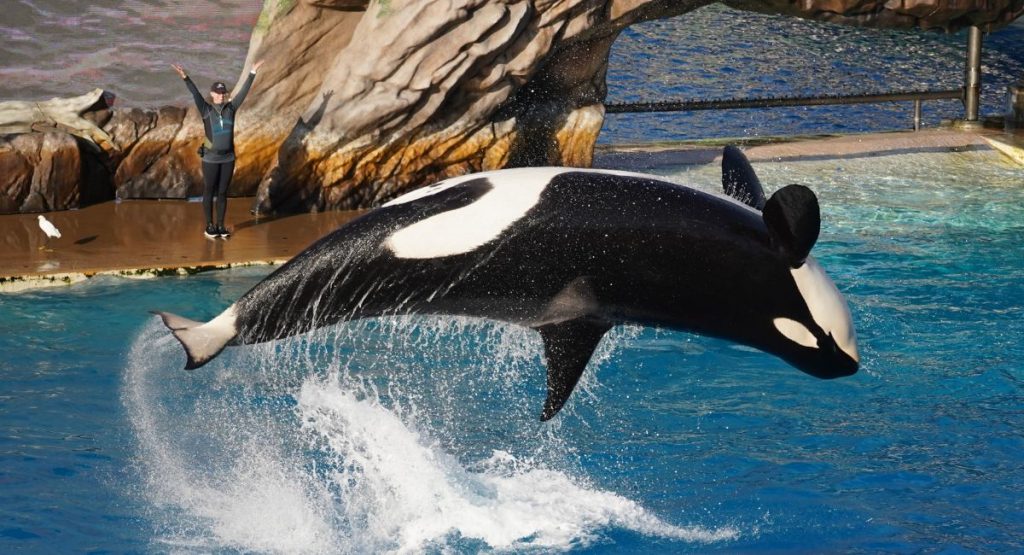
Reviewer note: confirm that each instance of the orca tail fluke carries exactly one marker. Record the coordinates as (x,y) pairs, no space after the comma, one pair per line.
(175,322)
(202,341)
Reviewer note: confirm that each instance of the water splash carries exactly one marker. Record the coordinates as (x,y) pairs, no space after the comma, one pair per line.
(367,438)
(410,494)
(216,474)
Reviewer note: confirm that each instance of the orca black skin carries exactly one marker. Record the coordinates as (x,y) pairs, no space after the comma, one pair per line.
(569,253)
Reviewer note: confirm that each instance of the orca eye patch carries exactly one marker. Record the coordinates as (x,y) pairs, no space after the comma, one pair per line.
(796,332)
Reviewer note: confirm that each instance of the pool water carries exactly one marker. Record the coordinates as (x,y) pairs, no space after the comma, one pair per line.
(421,434)
(719,53)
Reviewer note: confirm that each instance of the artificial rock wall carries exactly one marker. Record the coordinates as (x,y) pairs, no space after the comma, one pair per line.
(358,101)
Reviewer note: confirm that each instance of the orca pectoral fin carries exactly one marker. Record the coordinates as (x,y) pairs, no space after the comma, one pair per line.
(575,301)
(568,347)
(739,180)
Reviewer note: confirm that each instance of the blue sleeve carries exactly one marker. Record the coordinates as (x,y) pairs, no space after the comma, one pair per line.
(201,103)
(240,97)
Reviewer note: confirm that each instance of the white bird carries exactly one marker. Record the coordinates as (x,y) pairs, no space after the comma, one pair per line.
(49,229)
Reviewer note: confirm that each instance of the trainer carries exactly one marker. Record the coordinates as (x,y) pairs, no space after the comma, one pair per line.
(218,150)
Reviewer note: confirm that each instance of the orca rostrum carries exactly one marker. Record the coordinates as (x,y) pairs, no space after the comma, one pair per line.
(570,253)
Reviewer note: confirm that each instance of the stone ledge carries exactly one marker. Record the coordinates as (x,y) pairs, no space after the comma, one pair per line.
(636,157)
(16,284)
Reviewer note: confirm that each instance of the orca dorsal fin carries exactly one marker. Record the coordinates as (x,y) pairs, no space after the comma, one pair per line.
(739,180)
(794,221)
(568,347)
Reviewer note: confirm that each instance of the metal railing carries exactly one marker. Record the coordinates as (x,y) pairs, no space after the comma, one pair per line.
(969,95)
(742,103)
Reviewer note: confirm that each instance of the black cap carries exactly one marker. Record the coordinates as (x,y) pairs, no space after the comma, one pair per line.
(219,87)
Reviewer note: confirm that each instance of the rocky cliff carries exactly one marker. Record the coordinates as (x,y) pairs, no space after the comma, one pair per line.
(358,102)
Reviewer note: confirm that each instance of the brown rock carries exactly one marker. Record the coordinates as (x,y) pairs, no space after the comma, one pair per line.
(432,89)
(79,115)
(361,101)
(427,90)
(154,163)
(44,172)
(16,169)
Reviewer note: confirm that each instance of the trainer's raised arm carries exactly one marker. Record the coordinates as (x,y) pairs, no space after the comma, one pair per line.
(196,95)
(244,91)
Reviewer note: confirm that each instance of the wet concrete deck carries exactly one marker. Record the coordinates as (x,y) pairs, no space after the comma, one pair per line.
(649,156)
(146,238)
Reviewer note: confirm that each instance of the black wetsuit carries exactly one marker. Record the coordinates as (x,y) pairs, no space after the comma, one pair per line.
(219,159)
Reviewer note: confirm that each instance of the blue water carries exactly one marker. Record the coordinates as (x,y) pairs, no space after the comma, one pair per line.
(719,53)
(422,434)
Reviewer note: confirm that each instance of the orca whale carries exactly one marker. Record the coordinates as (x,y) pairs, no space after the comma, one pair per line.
(570,253)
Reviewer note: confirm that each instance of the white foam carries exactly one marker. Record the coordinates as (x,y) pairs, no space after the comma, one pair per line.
(413,495)
(332,470)
(247,493)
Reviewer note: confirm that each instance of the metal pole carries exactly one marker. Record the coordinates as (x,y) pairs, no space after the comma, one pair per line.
(1015,107)
(972,75)
(917,114)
